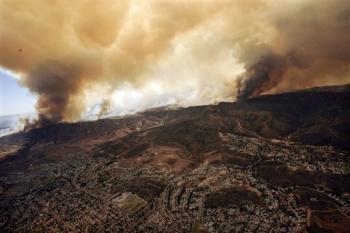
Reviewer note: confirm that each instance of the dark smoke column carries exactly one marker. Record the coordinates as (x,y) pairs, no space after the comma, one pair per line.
(261,76)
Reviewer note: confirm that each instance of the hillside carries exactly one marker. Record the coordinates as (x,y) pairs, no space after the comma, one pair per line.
(272,163)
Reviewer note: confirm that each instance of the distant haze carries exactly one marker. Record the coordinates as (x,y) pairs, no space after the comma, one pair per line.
(73,54)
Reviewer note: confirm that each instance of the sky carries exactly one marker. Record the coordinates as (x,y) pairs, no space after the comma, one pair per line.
(14,98)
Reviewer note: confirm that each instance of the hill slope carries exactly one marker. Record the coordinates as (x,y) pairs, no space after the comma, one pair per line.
(271,163)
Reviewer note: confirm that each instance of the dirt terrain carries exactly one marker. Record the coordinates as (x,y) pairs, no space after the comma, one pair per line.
(274,163)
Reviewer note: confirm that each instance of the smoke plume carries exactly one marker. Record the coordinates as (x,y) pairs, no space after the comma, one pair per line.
(311,48)
(75,53)
(104,108)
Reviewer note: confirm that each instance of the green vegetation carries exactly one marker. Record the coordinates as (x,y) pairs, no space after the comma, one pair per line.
(103,177)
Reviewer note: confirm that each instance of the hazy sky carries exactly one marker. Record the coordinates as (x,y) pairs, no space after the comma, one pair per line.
(14,99)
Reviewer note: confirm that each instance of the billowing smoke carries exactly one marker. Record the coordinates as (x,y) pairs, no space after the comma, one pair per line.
(311,48)
(104,108)
(74,53)
(262,76)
